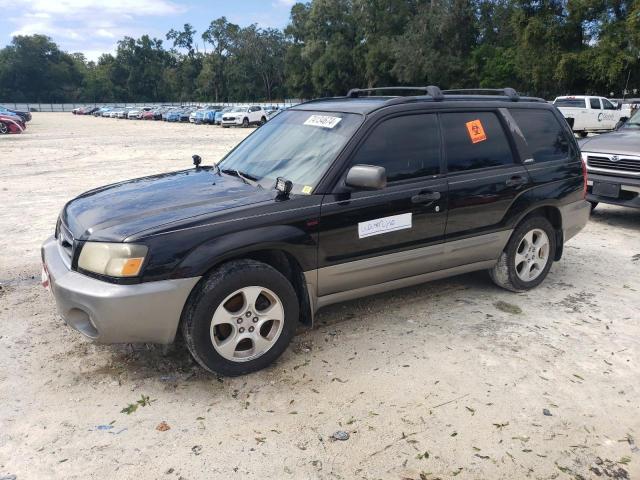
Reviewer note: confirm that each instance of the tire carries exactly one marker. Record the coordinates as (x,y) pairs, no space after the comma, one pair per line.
(521,270)
(263,120)
(583,134)
(593,205)
(3,128)
(229,348)
(245,122)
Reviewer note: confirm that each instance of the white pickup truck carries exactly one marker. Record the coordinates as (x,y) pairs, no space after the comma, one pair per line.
(591,114)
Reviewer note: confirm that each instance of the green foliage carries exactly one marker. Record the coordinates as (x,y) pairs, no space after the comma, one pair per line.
(329,46)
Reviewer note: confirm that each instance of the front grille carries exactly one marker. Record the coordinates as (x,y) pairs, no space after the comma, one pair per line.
(65,242)
(623,164)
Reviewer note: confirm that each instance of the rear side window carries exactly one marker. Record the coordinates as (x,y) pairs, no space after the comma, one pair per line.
(570,102)
(407,147)
(595,103)
(543,133)
(474,140)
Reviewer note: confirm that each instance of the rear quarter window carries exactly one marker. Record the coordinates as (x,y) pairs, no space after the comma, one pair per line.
(474,140)
(545,136)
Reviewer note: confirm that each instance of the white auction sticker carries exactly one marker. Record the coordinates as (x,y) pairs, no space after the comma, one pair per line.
(324,121)
(384,225)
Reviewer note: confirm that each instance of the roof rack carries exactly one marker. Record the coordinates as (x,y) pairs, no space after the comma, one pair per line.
(507,91)
(434,92)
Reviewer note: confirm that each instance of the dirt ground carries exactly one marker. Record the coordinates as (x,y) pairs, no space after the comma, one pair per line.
(454,378)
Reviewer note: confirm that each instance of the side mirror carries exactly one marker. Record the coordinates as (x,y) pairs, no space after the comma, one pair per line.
(367,177)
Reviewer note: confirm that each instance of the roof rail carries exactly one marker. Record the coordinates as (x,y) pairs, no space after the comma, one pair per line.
(434,92)
(507,91)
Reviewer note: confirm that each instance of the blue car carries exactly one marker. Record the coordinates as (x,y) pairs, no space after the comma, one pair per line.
(218,115)
(25,116)
(173,115)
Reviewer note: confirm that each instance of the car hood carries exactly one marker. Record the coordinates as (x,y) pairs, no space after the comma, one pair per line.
(621,142)
(115,212)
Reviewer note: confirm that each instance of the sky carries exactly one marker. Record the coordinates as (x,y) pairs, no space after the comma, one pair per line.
(94,26)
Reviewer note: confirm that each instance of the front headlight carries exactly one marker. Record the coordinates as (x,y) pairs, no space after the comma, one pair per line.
(112,259)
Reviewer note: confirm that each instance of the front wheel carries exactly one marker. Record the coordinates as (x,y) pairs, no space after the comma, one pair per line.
(263,120)
(593,205)
(583,134)
(3,128)
(245,123)
(527,258)
(241,318)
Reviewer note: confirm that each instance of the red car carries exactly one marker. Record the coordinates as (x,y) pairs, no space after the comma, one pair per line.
(11,124)
(147,115)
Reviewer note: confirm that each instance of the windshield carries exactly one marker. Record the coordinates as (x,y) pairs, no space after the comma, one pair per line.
(238,109)
(296,145)
(633,122)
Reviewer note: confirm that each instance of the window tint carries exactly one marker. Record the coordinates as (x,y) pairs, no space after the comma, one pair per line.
(407,147)
(595,103)
(607,104)
(570,102)
(474,140)
(545,136)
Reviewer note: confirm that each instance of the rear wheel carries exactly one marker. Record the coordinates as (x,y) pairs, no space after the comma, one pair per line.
(526,260)
(241,318)
(263,120)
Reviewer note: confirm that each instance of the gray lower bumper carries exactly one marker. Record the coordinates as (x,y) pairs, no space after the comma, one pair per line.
(109,313)
(575,216)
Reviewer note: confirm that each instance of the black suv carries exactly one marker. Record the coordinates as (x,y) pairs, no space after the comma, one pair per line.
(331,200)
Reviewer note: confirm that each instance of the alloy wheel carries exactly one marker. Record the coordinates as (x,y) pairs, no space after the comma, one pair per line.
(532,255)
(247,324)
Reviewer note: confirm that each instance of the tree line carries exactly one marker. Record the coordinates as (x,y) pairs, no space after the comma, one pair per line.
(541,47)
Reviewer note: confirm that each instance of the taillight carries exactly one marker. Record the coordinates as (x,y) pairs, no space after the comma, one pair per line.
(584,175)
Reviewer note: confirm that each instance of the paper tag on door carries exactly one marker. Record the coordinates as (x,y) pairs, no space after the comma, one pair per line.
(384,225)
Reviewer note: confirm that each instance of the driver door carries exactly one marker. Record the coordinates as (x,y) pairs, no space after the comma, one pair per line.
(371,237)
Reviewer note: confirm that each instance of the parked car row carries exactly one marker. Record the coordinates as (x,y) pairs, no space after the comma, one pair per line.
(13,121)
(244,116)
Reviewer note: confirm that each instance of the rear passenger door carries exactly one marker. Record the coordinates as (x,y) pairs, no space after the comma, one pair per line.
(371,237)
(484,176)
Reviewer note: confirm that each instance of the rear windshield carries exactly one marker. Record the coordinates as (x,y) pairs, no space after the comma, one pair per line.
(570,102)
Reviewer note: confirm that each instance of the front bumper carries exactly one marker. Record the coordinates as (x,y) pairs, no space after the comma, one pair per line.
(629,190)
(110,313)
(231,123)
(575,216)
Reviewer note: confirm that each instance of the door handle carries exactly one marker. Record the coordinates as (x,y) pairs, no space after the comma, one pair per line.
(516,180)
(426,196)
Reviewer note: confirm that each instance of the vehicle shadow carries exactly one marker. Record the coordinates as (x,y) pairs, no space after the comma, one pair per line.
(615,216)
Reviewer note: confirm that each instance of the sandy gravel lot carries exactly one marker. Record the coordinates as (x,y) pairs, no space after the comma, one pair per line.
(437,381)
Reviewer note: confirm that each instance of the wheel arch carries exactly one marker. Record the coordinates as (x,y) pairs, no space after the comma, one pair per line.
(553,214)
(287,249)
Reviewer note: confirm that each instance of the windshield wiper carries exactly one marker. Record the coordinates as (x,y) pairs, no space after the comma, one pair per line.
(245,177)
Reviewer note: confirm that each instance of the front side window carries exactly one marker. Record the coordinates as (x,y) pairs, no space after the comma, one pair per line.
(595,103)
(407,147)
(297,145)
(474,140)
(544,135)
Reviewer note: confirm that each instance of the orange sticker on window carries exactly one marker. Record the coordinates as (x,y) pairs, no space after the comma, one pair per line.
(476,131)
